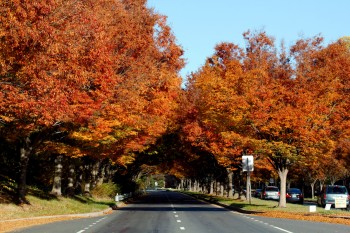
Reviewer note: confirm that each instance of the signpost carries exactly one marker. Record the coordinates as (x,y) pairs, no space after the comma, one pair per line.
(248,166)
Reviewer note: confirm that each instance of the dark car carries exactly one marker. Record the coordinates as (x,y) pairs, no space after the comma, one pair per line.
(257,193)
(295,195)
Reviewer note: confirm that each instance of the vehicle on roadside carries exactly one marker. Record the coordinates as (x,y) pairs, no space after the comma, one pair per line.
(257,193)
(330,192)
(294,195)
(270,192)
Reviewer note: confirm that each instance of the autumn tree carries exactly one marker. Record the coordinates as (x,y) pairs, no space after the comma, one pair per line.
(143,107)
(276,103)
(102,67)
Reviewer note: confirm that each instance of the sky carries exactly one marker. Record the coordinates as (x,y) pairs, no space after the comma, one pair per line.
(199,25)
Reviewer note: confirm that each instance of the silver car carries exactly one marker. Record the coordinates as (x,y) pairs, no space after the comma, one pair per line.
(330,192)
(270,192)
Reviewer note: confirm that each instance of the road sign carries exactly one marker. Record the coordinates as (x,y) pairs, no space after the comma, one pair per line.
(248,163)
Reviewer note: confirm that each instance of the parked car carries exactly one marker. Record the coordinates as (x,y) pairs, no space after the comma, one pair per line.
(270,192)
(257,193)
(295,195)
(330,192)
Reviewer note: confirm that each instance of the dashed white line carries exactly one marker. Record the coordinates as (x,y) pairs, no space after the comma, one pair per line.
(281,229)
(182,228)
(278,228)
(91,225)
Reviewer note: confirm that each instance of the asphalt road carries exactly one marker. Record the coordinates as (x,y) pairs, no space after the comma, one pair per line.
(171,212)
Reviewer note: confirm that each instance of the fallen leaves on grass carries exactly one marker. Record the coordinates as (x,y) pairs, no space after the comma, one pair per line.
(307,217)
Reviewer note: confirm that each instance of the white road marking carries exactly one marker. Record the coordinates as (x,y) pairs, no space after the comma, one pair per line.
(91,225)
(176,216)
(182,228)
(281,229)
(262,222)
(178,220)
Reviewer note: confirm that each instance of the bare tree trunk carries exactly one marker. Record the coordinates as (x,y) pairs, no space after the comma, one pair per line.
(282,173)
(313,188)
(94,173)
(87,179)
(57,180)
(217,188)
(79,180)
(102,173)
(25,150)
(211,191)
(71,173)
(229,185)
(321,184)
(195,186)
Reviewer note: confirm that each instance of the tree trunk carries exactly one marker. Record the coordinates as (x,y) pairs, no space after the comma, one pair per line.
(87,178)
(321,184)
(71,173)
(101,174)
(229,185)
(57,180)
(221,189)
(79,180)
(282,173)
(211,191)
(313,189)
(94,173)
(217,188)
(25,150)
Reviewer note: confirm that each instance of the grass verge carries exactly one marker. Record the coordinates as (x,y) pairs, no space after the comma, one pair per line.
(57,206)
(269,208)
(43,206)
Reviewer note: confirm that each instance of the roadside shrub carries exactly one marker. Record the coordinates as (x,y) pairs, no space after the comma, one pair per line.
(106,190)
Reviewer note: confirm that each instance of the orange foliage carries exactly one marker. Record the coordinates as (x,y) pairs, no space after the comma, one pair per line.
(105,71)
(288,106)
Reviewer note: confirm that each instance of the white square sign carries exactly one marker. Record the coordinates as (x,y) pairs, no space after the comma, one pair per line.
(248,163)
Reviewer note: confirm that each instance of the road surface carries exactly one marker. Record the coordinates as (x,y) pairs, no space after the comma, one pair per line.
(171,212)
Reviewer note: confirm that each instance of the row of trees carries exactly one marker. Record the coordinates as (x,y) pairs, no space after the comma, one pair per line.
(90,92)
(84,78)
(290,106)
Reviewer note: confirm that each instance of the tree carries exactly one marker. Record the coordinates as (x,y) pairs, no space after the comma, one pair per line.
(259,101)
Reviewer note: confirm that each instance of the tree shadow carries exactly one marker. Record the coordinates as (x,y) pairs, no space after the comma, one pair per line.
(44,195)
(89,200)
